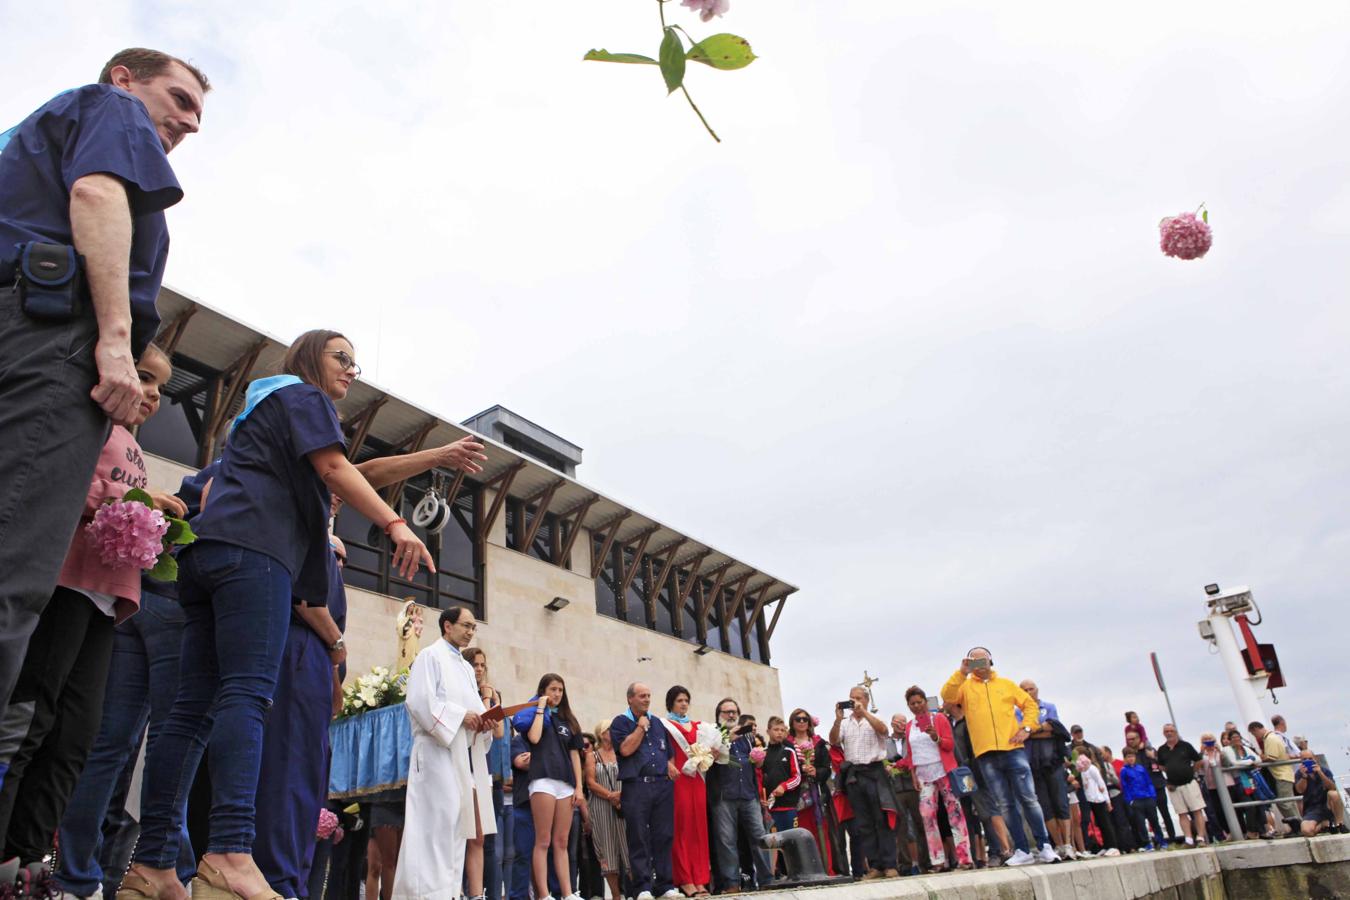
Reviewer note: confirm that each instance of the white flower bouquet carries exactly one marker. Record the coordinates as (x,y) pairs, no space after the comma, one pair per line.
(380,688)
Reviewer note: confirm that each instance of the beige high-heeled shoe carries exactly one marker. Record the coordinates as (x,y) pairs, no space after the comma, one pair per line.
(136,886)
(210,884)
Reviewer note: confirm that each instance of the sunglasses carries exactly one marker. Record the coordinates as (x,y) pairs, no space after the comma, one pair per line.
(800,719)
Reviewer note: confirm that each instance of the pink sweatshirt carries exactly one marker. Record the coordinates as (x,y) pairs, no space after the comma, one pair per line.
(120,468)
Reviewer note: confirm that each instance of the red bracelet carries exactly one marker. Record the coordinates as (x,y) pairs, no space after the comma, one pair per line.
(393,523)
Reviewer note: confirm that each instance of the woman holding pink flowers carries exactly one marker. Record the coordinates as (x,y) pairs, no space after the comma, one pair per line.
(930,758)
(65,668)
(817,811)
(262,538)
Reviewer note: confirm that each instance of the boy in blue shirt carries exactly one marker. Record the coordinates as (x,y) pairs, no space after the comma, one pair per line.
(1136,786)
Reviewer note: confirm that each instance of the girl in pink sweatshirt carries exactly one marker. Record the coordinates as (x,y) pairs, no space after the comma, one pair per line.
(59,695)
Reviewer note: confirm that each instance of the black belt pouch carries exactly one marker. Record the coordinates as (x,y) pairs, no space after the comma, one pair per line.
(50,281)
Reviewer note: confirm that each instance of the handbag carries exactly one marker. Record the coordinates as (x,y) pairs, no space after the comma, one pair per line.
(962,781)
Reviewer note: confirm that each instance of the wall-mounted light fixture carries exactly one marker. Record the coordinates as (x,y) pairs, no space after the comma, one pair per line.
(556,604)
(702,650)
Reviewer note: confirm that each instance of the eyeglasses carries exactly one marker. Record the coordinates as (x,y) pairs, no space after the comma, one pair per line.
(345,360)
(800,719)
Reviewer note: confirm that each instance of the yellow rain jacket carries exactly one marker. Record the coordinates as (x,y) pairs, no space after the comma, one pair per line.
(989,709)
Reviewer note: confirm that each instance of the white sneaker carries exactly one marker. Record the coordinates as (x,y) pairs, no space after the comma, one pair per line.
(1110,851)
(572,896)
(645,895)
(672,894)
(1047,854)
(1020,858)
(1065,852)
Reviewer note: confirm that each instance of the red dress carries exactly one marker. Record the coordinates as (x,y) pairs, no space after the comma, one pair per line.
(689,854)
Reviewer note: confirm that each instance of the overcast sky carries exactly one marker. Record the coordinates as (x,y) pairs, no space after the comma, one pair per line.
(905,339)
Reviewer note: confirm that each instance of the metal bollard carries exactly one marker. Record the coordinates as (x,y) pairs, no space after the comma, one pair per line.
(800,854)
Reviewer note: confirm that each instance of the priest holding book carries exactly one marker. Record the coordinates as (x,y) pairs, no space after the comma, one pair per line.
(449,799)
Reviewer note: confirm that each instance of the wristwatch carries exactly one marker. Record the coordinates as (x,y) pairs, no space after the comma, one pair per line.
(337,645)
(1027,729)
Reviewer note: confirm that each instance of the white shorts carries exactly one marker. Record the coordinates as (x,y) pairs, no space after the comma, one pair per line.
(559,790)
(1187,798)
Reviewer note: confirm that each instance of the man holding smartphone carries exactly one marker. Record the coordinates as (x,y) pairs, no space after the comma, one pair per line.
(733,795)
(997,737)
(862,737)
(84,182)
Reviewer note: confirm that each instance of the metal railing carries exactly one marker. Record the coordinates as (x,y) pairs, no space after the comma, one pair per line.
(1250,768)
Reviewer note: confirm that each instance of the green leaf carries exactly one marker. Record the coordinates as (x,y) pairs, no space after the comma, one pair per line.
(136,495)
(672,60)
(606,56)
(179,532)
(166,569)
(722,51)
(1205,215)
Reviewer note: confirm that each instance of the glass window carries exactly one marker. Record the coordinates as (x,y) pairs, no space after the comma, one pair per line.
(607,585)
(169,435)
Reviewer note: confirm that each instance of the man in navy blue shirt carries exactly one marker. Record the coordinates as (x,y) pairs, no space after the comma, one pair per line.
(88,170)
(647,773)
(734,795)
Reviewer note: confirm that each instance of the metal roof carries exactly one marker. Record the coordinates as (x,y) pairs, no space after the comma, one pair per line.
(218,341)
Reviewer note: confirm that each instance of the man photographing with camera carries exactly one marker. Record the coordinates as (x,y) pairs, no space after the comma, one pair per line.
(997,737)
(862,737)
(734,796)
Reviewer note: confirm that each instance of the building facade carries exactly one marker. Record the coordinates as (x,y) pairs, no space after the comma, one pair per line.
(563,579)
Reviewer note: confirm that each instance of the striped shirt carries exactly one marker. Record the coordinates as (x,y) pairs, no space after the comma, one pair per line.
(860,742)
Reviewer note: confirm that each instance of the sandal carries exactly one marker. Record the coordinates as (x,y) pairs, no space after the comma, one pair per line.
(136,886)
(210,884)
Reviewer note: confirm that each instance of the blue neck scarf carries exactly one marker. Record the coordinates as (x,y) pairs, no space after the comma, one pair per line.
(260,390)
(676,717)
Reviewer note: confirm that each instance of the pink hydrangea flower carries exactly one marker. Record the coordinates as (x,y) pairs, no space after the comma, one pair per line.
(706,9)
(328,823)
(1185,236)
(127,533)
(757,755)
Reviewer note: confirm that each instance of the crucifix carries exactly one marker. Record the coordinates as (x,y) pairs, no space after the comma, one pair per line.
(867,682)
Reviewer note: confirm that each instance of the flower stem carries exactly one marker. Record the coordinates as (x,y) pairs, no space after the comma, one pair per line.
(700,114)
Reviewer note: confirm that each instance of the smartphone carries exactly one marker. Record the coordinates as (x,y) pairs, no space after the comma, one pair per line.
(935,704)
(845,705)
(1308,765)
(981,663)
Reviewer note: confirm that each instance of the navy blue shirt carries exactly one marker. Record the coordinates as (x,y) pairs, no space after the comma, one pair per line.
(734,782)
(552,756)
(652,756)
(268,498)
(96,129)
(520,778)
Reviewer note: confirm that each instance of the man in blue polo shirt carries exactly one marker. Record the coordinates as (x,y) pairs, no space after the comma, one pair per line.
(88,174)
(647,795)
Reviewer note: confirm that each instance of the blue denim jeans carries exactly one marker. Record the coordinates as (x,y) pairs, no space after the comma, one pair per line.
(145,652)
(729,817)
(492,849)
(1008,774)
(238,608)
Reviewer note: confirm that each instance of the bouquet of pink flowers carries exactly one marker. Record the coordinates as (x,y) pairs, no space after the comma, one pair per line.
(131,532)
(757,756)
(328,826)
(1186,236)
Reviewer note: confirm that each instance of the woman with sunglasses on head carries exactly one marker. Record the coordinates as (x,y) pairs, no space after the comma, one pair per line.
(262,538)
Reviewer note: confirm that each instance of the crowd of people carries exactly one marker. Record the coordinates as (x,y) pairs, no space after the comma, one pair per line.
(231,675)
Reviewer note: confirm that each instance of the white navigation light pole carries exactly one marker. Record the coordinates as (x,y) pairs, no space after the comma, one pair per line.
(1217,629)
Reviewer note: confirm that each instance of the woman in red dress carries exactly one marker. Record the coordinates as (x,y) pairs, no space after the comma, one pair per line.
(690,866)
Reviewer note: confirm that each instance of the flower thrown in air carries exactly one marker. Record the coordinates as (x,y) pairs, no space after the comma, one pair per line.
(328,823)
(706,9)
(1185,236)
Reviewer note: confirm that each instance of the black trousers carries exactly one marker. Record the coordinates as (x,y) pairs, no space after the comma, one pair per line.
(1098,812)
(649,823)
(875,834)
(62,679)
(52,434)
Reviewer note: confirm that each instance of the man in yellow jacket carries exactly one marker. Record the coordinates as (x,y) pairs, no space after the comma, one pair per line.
(997,738)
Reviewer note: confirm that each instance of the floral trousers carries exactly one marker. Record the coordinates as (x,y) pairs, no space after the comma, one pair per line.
(930,795)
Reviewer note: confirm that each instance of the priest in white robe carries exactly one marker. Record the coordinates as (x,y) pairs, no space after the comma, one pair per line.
(448,730)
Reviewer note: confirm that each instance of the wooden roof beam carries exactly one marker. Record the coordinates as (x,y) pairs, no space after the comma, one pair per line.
(574,518)
(611,529)
(734,609)
(360,426)
(543,498)
(759,607)
(503,484)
